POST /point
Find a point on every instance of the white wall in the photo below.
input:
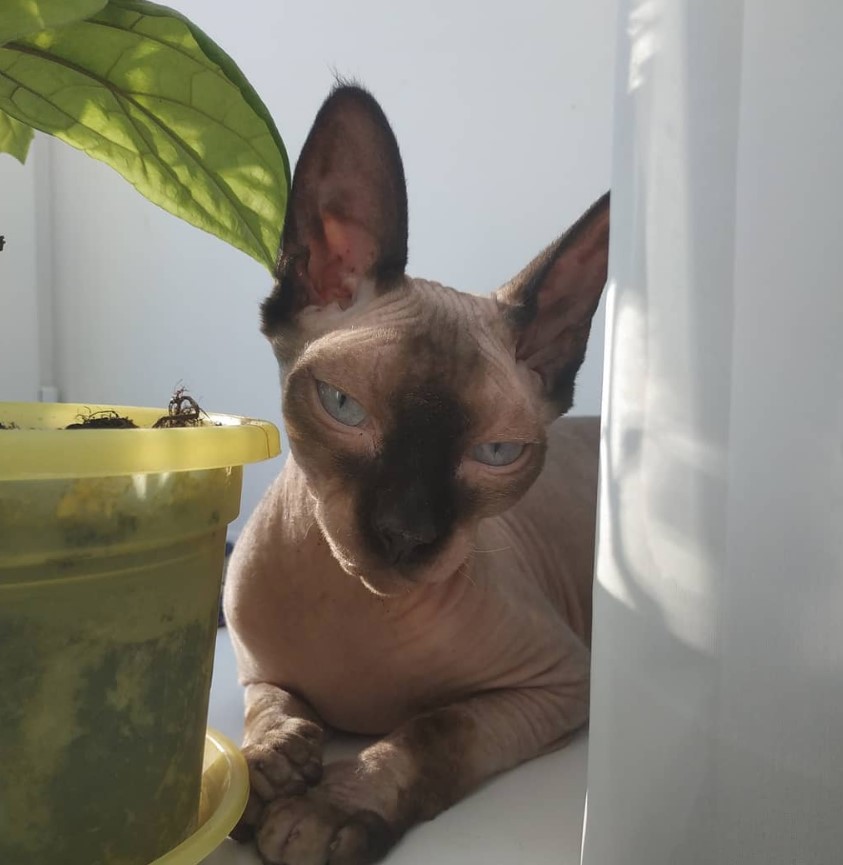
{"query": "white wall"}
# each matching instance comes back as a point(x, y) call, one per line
point(503, 113)
point(19, 362)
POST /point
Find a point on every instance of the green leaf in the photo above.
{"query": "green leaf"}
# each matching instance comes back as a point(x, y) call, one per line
point(24, 17)
point(15, 137)
point(143, 90)
point(214, 53)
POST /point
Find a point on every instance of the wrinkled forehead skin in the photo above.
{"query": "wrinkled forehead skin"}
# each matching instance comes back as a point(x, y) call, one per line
point(422, 343)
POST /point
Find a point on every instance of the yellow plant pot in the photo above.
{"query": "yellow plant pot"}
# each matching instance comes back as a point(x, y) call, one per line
point(111, 555)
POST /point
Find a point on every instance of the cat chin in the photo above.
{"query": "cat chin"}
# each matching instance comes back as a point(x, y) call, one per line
point(383, 582)
point(391, 586)
point(391, 583)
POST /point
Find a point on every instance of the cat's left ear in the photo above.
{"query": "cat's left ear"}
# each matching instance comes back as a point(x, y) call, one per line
point(550, 304)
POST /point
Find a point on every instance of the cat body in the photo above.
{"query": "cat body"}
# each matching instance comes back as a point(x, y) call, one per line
point(421, 569)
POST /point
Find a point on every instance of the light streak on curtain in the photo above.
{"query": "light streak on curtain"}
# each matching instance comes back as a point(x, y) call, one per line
point(717, 709)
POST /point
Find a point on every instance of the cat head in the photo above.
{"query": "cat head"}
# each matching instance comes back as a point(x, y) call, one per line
point(414, 410)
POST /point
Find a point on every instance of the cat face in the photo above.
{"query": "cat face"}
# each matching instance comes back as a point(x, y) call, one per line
point(414, 410)
point(412, 420)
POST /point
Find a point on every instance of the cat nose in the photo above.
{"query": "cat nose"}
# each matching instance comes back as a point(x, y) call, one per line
point(403, 543)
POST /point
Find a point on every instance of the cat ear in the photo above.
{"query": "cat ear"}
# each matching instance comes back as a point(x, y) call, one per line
point(550, 304)
point(347, 217)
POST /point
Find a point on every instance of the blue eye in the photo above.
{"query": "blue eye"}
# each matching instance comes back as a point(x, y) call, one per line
point(340, 406)
point(498, 453)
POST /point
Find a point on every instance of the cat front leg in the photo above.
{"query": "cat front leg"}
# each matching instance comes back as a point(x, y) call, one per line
point(363, 806)
point(282, 743)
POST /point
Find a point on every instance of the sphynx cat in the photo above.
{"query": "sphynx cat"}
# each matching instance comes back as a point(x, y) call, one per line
point(421, 571)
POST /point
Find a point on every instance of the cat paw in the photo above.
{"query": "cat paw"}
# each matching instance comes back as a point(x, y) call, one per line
point(286, 762)
point(309, 830)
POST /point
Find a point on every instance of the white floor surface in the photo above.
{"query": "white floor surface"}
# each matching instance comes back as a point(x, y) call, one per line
point(530, 816)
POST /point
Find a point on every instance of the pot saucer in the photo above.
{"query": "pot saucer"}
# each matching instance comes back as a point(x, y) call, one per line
point(225, 790)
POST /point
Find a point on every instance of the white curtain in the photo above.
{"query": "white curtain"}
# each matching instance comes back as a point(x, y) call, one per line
point(717, 709)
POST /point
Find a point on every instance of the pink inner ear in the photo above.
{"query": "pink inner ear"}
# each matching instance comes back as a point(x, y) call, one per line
point(338, 261)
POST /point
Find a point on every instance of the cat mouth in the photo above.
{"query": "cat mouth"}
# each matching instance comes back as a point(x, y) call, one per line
point(391, 581)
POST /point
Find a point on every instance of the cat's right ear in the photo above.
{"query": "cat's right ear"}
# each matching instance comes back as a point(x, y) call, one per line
point(347, 217)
